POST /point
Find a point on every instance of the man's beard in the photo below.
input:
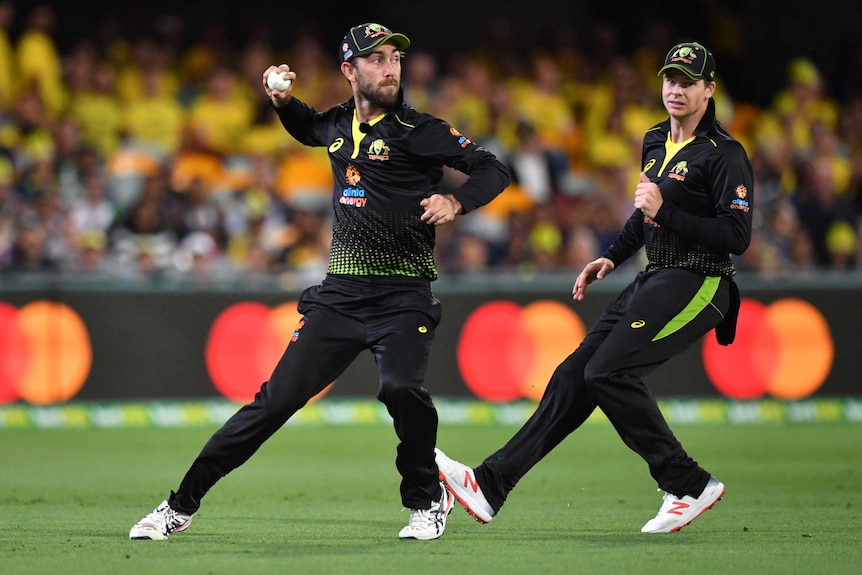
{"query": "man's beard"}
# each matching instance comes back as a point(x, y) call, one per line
point(377, 97)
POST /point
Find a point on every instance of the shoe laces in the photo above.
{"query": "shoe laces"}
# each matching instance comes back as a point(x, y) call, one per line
point(672, 502)
point(165, 515)
point(419, 517)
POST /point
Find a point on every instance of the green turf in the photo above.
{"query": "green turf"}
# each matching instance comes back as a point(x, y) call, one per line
point(325, 500)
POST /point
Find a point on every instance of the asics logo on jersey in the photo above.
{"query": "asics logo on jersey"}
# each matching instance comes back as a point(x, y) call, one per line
point(649, 165)
point(638, 324)
point(336, 145)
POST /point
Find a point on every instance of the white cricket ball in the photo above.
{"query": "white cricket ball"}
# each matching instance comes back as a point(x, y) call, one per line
point(277, 81)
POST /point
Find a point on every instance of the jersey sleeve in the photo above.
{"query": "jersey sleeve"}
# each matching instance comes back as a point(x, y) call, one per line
point(732, 187)
point(304, 123)
point(629, 240)
point(437, 140)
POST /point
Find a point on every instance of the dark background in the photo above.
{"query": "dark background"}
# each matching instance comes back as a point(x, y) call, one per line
point(752, 39)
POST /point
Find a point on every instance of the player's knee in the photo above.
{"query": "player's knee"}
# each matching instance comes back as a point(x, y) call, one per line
point(595, 375)
point(274, 401)
point(394, 392)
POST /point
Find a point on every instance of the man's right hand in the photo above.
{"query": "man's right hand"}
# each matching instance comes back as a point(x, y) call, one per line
point(595, 270)
point(279, 98)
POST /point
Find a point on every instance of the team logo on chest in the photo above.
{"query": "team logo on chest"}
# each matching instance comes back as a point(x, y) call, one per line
point(353, 195)
point(378, 150)
point(679, 171)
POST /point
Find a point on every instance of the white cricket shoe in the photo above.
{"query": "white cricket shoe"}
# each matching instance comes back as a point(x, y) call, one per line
point(677, 512)
point(430, 523)
point(160, 523)
point(461, 481)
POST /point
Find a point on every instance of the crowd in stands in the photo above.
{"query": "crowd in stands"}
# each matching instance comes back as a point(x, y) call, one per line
point(152, 157)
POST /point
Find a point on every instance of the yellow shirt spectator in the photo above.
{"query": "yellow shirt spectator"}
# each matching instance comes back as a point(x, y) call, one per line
point(541, 101)
point(219, 118)
point(145, 64)
point(39, 64)
point(802, 102)
point(154, 119)
point(7, 56)
point(98, 112)
point(468, 113)
point(29, 135)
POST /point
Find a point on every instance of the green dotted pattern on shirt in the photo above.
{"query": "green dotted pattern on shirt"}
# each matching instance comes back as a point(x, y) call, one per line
point(392, 243)
point(668, 250)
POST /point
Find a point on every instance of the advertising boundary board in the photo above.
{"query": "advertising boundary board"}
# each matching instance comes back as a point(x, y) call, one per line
point(150, 345)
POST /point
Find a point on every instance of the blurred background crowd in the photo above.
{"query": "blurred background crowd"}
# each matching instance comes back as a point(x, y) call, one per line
point(148, 150)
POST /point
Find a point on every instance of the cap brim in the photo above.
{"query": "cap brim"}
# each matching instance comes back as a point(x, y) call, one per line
point(401, 42)
point(682, 69)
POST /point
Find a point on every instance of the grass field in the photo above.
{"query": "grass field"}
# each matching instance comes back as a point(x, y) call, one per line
point(325, 500)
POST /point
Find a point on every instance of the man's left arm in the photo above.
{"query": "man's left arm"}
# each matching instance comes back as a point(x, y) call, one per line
point(487, 176)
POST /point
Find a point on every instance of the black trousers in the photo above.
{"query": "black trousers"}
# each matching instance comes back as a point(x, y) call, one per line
point(395, 318)
point(657, 316)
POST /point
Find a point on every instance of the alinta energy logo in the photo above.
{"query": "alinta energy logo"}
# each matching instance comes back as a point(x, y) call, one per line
point(45, 353)
point(785, 349)
point(245, 343)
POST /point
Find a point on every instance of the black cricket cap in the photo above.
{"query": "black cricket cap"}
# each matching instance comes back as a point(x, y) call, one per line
point(691, 58)
point(365, 38)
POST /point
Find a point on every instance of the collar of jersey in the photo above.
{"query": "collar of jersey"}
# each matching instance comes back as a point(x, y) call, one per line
point(358, 134)
point(671, 148)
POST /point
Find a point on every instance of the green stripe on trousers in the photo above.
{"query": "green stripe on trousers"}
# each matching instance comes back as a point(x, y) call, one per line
point(701, 299)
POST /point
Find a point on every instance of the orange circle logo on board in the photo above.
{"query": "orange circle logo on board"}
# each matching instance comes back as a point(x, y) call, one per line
point(784, 349)
point(508, 352)
point(45, 353)
point(244, 345)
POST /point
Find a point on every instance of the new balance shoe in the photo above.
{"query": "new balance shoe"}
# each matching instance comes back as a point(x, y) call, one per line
point(430, 523)
point(677, 512)
point(160, 523)
point(461, 481)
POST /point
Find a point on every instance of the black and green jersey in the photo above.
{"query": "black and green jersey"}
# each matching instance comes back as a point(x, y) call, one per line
point(707, 185)
point(381, 171)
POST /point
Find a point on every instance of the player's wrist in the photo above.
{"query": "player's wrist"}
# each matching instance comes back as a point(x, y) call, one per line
point(457, 208)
